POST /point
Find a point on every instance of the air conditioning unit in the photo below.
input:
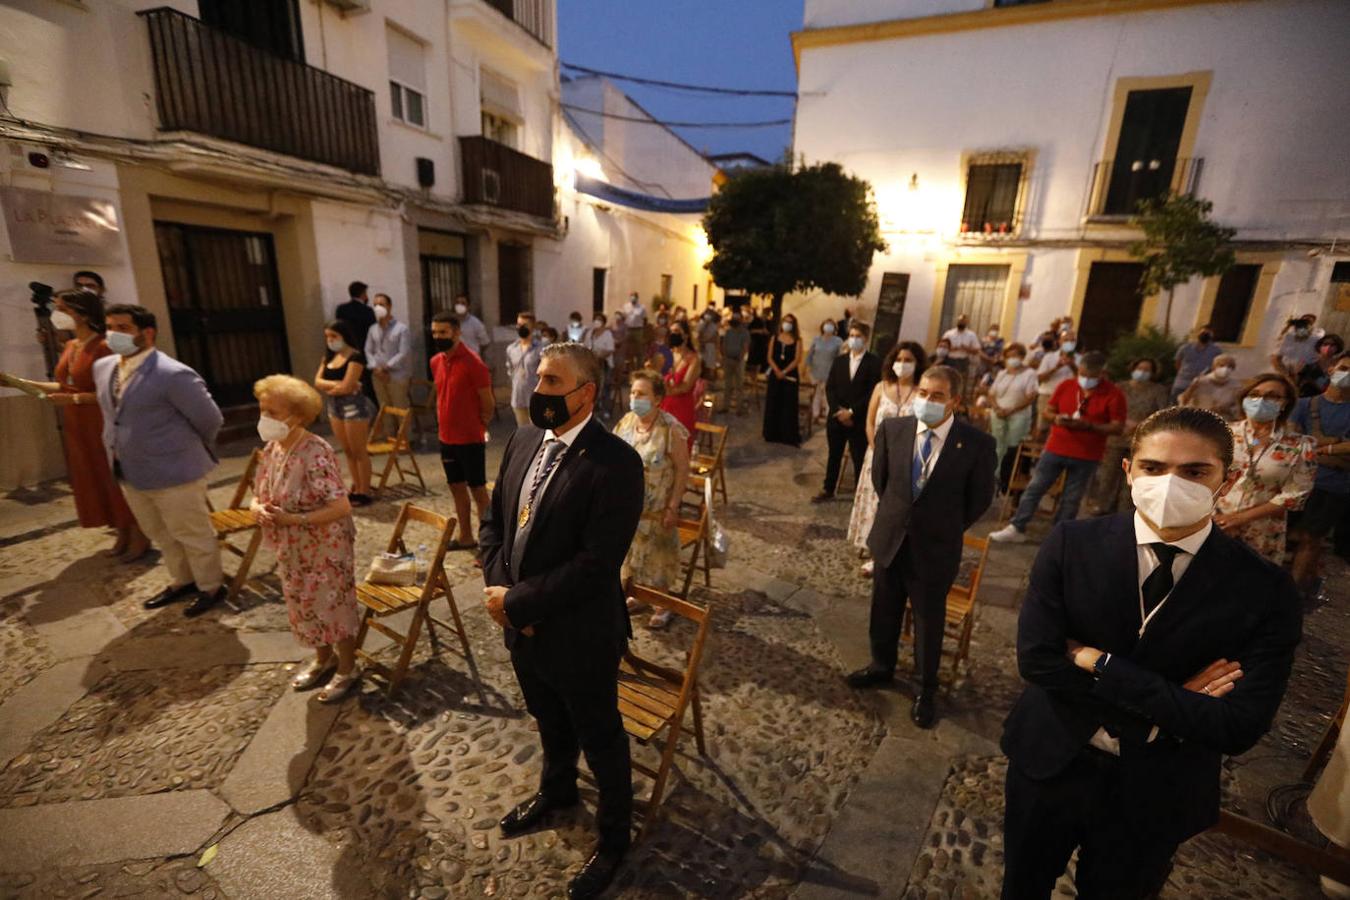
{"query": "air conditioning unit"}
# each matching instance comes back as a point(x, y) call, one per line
point(492, 186)
point(351, 6)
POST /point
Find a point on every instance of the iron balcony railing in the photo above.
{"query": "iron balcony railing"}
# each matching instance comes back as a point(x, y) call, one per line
point(532, 15)
point(210, 82)
point(1116, 190)
point(496, 175)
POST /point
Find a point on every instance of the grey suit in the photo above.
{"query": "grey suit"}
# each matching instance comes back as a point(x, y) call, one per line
point(160, 439)
point(916, 541)
point(163, 433)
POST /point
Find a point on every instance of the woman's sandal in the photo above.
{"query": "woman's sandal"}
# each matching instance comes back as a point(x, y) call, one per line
point(634, 605)
point(660, 619)
point(340, 686)
point(312, 673)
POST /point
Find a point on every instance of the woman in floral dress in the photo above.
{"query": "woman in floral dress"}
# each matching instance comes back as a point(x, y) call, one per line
point(1274, 466)
point(306, 520)
point(663, 443)
point(893, 396)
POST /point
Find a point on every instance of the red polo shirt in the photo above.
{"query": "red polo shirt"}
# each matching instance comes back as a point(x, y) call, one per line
point(1103, 404)
point(459, 375)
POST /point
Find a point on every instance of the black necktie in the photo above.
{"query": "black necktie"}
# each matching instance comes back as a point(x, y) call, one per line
point(1159, 582)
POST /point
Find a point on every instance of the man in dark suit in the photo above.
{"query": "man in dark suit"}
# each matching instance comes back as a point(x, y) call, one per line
point(934, 477)
point(358, 313)
point(564, 510)
point(848, 391)
point(1136, 690)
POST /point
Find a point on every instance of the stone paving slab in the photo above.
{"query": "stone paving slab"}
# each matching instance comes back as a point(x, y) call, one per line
point(82, 633)
point(201, 651)
point(277, 761)
point(43, 701)
point(98, 831)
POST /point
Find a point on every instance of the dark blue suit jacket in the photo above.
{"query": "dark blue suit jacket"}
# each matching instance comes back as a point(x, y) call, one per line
point(1230, 604)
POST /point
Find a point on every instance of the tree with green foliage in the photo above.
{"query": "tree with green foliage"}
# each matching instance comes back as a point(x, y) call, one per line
point(781, 229)
point(1179, 243)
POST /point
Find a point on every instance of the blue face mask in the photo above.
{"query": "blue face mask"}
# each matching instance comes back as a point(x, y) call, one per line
point(640, 406)
point(1261, 409)
point(1141, 375)
point(929, 412)
point(1088, 383)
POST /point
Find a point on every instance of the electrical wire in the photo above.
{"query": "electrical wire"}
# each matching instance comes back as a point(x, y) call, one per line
point(700, 88)
point(644, 120)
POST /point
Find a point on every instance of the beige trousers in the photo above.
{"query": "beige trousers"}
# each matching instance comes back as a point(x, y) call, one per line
point(391, 392)
point(178, 522)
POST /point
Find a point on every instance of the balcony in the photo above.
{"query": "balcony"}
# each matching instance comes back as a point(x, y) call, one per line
point(1115, 192)
point(496, 175)
point(532, 15)
point(209, 82)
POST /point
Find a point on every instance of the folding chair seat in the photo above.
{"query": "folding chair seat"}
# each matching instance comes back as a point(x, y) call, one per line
point(396, 449)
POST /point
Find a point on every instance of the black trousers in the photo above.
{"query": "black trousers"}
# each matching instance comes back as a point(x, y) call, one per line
point(838, 437)
point(580, 715)
point(1083, 807)
point(894, 585)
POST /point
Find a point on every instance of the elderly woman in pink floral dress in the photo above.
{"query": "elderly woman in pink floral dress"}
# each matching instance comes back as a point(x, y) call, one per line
point(1274, 468)
point(306, 520)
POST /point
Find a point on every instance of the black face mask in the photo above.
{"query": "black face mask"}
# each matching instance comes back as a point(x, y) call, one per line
point(1206, 337)
point(550, 410)
point(676, 340)
point(1047, 344)
point(523, 330)
point(443, 345)
point(960, 326)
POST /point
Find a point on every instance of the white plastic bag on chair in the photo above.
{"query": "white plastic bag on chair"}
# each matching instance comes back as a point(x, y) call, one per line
point(719, 542)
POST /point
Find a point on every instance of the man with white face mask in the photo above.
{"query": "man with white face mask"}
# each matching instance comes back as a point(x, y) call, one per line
point(934, 478)
point(472, 332)
point(159, 427)
point(1152, 644)
point(389, 358)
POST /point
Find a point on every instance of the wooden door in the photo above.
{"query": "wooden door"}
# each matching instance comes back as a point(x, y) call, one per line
point(1111, 304)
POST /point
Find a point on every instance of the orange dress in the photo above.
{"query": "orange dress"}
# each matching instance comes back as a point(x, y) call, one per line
point(98, 499)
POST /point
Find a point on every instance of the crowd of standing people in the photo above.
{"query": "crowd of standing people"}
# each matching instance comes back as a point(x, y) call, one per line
point(1209, 469)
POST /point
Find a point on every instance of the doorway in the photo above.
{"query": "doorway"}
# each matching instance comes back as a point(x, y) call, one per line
point(1111, 304)
point(513, 280)
point(224, 306)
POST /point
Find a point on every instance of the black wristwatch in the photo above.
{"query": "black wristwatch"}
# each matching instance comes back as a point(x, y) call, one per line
point(1099, 666)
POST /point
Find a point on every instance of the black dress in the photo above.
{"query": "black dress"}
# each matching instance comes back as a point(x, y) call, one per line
point(781, 424)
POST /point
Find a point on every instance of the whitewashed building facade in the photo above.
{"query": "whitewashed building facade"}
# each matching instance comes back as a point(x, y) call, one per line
point(1007, 141)
point(234, 164)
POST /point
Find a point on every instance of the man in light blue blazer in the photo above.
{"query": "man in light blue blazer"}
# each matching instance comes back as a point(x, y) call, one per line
point(159, 426)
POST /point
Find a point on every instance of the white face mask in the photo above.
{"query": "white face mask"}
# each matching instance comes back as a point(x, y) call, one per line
point(902, 369)
point(336, 345)
point(1014, 363)
point(460, 309)
point(829, 328)
point(1222, 372)
point(381, 311)
point(856, 344)
point(929, 412)
point(62, 321)
point(1341, 378)
point(122, 344)
point(270, 429)
point(1068, 346)
point(1170, 501)
point(787, 327)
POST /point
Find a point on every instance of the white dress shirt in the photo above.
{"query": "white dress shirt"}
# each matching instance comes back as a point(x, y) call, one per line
point(568, 440)
point(387, 344)
point(965, 343)
point(940, 434)
point(854, 360)
point(1148, 561)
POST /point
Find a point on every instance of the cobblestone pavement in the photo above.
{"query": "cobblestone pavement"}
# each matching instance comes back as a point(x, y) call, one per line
point(131, 741)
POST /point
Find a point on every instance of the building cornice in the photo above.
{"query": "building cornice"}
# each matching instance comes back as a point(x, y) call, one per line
point(992, 17)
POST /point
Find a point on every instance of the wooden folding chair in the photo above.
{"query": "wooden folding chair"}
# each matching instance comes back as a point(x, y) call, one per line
point(694, 537)
point(393, 448)
point(707, 406)
point(235, 519)
point(379, 601)
point(960, 618)
point(1020, 477)
point(708, 459)
point(653, 697)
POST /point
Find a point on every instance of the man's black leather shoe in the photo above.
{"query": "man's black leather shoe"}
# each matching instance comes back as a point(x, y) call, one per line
point(205, 601)
point(868, 677)
point(171, 595)
point(924, 711)
point(596, 875)
point(530, 814)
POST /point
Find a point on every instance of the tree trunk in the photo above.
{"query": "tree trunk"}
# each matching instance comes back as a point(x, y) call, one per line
point(777, 307)
point(1167, 314)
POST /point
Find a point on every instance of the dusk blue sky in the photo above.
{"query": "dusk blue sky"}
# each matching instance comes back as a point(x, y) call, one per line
point(727, 43)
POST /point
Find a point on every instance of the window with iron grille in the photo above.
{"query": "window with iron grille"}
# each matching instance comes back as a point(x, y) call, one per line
point(992, 190)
